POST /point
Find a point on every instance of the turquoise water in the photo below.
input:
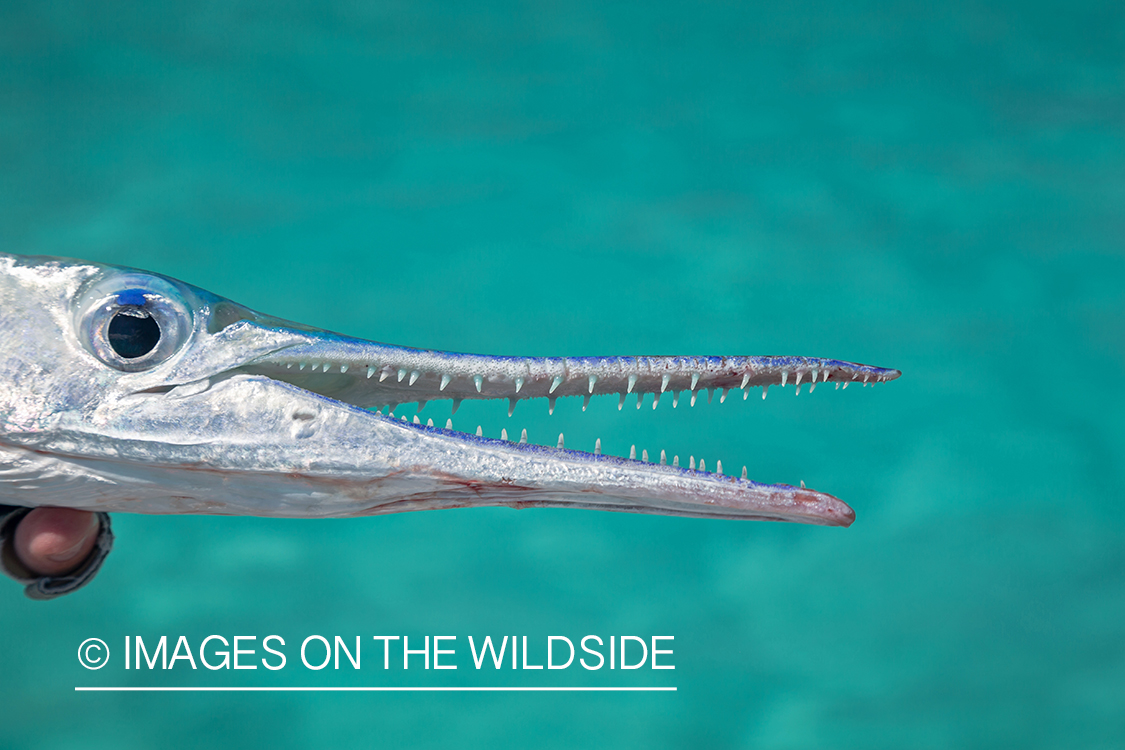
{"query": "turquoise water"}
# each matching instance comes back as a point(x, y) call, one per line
point(937, 188)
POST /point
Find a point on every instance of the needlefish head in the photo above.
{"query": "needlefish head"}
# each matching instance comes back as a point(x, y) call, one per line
point(122, 390)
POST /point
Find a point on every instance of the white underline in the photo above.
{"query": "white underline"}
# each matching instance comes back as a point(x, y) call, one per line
point(376, 689)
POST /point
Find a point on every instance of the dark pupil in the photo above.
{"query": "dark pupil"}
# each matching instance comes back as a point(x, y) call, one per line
point(133, 333)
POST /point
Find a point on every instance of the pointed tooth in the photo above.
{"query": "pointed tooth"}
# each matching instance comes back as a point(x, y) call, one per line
point(802, 484)
point(691, 463)
point(456, 406)
point(416, 420)
point(812, 386)
point(765, 390)
point(302, 366)
point(865, 377)
point(675, 399)
point(798, 380)
point(503, 433)
point(511, 406)
point(694, 380)
point(718, 467)
point(585, 401)
point(663, 457)
point(632, 382)
point(403, 417)
point(837, 385)
point(824, 376)
point(845, 384)
point(325, 366)
point(644, 456)
point(445, 381)
point(710, 394)
point(449, 424)
point(723, 397)
point(664, 383)
point(523, 436)
point(593, 379)
point(655, 400)
point(633, 452)
point(289, 366)
point(478, 381)
point(598, 447)
point(693, 398)
point(422, 404)
point(676, 461)
point(343, 369)
point(551, 405)
point(621, 402)
point(561, 444)
point(640, 399)
point(555, 383)
point(519, 384)
point(480, 432)
point(784, 377)
point(429, 423)
point(744, 472)
point(815, 372)
point(384, 374)
point(702, 465)
point(798, 389)
point(745, 380)
point(401, 374)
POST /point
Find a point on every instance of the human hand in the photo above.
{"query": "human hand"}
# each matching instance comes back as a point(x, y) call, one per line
point(54, 541)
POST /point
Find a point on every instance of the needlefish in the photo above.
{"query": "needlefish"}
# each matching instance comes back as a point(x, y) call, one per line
point(128, 391)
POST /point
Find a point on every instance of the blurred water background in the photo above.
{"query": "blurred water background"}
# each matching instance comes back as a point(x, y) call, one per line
point(934, 187)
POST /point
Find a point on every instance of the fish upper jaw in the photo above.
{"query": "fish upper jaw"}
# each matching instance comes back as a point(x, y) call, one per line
point(371, 374)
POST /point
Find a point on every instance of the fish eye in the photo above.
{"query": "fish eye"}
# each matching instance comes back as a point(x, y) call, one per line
point(133, 322)
point(132, 332)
